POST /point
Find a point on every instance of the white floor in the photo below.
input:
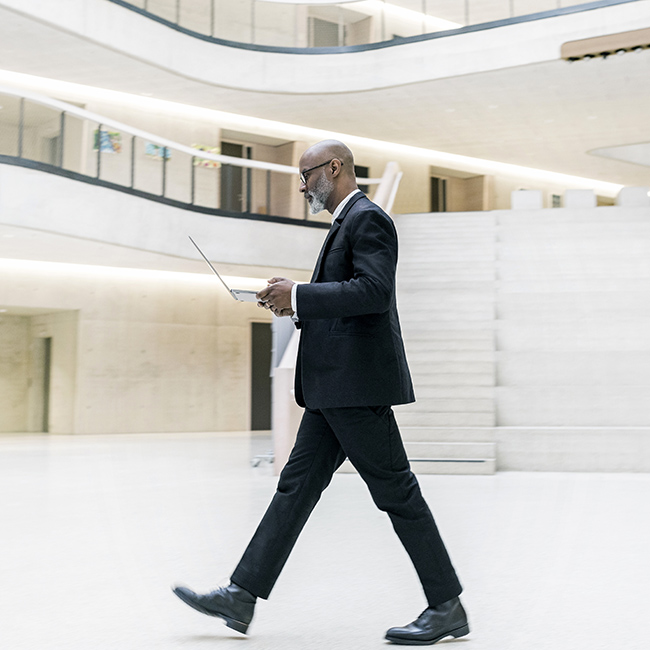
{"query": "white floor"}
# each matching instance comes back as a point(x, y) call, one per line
point(94, 531)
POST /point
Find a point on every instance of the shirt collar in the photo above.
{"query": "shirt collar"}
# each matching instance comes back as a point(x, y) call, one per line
point(342, 204)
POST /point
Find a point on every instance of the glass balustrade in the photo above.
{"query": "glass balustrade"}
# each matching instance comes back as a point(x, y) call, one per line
point(55, 140)
point(304, 24)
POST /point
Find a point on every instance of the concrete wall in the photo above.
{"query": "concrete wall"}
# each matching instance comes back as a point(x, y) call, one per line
point(14, 372)
point(54, 204)
point(132, 351)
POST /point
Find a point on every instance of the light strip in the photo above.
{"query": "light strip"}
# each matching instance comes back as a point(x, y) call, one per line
point(290, 132)
point(40, 266)
point(377, 7)
point(431, 22)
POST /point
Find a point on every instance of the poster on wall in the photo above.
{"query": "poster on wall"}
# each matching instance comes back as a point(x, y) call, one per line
point(204, 162)
point(157, 151)
point(107, 141)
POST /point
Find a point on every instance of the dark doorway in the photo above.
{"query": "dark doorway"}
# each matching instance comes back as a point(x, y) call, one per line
point(438, 194)
point(47, 371)
point(261, 376)
point(235, 191)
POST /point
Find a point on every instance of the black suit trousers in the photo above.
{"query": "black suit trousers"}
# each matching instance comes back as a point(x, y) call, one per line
point(370, 438)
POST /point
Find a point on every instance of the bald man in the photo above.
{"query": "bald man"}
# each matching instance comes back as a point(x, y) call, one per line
point(351, 369)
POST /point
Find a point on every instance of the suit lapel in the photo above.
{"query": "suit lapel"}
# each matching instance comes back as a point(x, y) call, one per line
point(332, 231)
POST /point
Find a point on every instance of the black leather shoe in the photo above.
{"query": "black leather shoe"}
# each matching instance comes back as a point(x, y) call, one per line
point(433, 625)
point(233, 604)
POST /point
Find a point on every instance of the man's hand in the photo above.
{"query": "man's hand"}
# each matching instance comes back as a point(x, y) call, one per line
point(277, 296)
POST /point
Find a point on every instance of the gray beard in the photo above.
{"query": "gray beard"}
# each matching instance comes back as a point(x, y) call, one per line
point(320, 194)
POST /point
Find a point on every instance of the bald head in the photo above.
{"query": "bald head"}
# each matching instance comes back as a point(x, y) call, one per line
point(331, 177)
point(332, 149)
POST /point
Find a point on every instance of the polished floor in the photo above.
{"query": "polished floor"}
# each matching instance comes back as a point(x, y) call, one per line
point(95, 529)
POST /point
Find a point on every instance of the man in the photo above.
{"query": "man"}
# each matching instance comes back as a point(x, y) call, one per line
point(351, 369)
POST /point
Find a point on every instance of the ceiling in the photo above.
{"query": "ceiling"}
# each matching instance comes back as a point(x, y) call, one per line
point(548, 116)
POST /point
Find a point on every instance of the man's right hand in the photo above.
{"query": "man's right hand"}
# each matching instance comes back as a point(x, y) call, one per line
point(276, 312)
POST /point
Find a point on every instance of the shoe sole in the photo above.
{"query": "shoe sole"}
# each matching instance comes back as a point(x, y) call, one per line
point(232, 623)
point(457, 633)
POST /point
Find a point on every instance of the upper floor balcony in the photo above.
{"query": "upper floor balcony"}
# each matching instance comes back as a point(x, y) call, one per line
point(350, 24)
point(302, 47)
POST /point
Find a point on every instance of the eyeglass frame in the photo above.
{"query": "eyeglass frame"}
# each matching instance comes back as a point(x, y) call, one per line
point(303, 178)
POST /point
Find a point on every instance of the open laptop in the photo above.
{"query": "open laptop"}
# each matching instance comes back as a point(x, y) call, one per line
point(243, 295)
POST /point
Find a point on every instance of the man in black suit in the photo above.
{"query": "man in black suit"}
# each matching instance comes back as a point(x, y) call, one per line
point(351, 369)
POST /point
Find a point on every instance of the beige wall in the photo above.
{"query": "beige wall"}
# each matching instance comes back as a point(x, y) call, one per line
point(131, 351)
point(14, 372)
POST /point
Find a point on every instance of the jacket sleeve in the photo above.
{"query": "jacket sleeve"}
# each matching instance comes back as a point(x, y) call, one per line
point(371, 245)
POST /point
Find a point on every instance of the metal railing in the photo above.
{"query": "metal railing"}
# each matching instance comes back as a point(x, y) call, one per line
point(54, 136)
point(304, 24)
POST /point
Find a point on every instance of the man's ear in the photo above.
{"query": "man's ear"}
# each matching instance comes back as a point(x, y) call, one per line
point(335, 166)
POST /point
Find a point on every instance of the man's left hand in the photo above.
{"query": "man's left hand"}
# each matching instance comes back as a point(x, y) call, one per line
point(277, 296)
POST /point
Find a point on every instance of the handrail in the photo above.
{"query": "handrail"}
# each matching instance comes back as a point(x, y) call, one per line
point(385, 42)
point(186, 184)
point(82, 113)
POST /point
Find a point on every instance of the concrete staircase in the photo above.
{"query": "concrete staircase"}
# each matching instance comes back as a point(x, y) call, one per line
point(446, 291)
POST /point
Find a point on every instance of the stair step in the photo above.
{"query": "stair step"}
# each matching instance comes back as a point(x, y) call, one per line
point(424, 329)
point(419, 346)
point(450, 450)
point(453, 392)
point(423, 379)
point(446, 316)
point(448, 434)
point(440, 466)
point(455, 405)
point(458, 466)
point(413, 418)
point(429, 356)
point(446, 458)
point(451, 367)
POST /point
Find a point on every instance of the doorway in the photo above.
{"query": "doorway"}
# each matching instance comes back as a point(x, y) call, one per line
point(438, 194)
point(235, 190)
point(47, 374)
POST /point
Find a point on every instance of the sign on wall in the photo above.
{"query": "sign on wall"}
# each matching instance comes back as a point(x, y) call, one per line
point(204, 162)
point(157, 151)
point(107, 141)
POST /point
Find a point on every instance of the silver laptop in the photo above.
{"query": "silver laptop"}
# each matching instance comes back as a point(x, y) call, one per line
point(243, 295)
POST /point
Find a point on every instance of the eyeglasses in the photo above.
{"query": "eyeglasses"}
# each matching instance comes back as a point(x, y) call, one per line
point(303, 175)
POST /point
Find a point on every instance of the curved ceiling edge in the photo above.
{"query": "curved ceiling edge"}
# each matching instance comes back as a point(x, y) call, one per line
point(396, 41)
point(418, 60)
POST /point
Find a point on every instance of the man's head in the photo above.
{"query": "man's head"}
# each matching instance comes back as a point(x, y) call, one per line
point(326, 175)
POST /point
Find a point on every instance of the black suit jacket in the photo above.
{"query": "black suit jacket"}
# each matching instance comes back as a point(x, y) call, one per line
point(351, 351)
